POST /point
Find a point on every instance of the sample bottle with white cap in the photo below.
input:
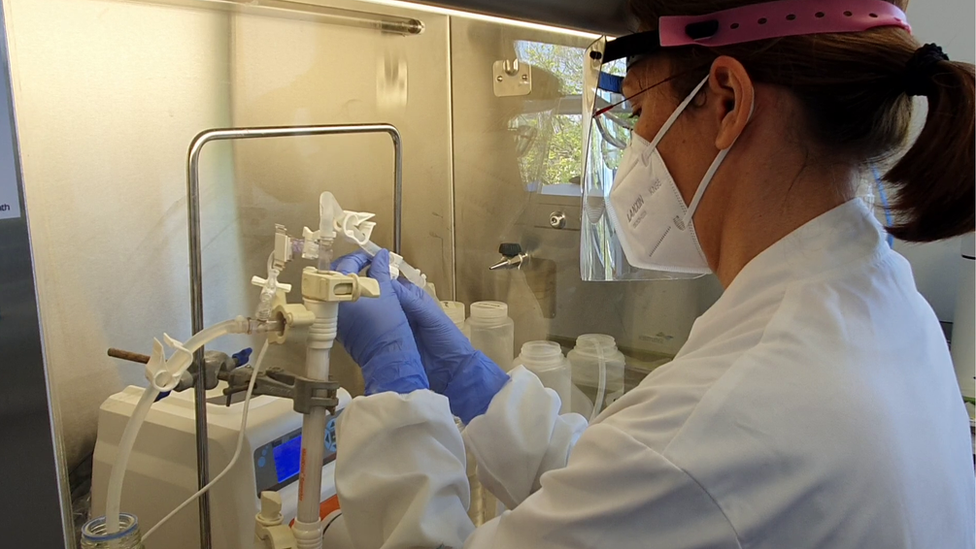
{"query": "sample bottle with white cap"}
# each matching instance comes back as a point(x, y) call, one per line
point(598, 370)
point(483, 503)
point(455, 310)
point(545, 359)
point(492, 332)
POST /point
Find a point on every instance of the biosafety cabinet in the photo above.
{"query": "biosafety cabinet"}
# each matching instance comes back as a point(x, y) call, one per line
point(107, 96)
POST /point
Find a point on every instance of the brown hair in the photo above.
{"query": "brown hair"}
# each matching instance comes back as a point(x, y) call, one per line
point(853, 89)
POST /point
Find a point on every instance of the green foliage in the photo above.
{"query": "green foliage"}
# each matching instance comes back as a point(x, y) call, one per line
point(552, 143)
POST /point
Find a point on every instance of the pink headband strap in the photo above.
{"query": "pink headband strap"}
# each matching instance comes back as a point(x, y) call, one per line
point(778, 19)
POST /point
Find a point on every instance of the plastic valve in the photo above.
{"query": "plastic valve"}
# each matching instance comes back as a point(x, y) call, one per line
point(261, 282)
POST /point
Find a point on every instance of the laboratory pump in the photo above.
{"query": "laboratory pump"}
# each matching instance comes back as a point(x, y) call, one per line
point(312, 394)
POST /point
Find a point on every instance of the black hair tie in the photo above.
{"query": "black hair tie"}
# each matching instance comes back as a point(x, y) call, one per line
point(921, 68)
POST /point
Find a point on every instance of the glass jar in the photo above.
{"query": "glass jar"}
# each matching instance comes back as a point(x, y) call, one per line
point(94, 534)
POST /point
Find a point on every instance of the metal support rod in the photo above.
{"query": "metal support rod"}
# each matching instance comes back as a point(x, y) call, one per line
point(196, 256)
point(128, 355)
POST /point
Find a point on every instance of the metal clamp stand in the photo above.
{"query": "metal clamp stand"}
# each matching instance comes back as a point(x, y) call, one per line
point(305, 393)
point(196, 256)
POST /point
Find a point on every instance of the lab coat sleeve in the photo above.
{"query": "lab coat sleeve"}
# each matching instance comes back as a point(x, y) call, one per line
point(401, 483)
point(614, 492)
point(400, 472)
point(520, 437)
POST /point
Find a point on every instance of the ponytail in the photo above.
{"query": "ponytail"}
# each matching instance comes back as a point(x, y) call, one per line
point(935, 179)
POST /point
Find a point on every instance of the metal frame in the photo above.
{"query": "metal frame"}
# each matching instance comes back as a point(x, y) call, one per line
point(35, 465)
point(196, 254)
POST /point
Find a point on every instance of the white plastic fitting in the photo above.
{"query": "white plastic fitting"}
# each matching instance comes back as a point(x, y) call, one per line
point(307, 535)
point(331, 286)
point(260, 282)
point(310, 243)
point(282, 247)
point(164, 374)
point(269, 532)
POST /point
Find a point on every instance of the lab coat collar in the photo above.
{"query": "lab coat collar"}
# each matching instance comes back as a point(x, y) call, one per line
point(836, 238)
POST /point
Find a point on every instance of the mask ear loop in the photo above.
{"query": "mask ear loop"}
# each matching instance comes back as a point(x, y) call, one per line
point(677, 112)
point(710, 173)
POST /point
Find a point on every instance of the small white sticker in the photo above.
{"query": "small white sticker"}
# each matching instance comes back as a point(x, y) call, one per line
point(9, 197)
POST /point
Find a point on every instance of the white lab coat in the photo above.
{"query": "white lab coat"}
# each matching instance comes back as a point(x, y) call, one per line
point(814, 405)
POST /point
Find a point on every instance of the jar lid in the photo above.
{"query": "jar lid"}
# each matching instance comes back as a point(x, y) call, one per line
point(489, 310)
point(454, 310)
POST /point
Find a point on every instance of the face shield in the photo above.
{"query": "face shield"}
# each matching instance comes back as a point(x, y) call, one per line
point(608, 124)
point(607, 119)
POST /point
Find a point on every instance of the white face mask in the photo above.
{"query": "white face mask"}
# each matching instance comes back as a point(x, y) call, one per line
point(652, 222)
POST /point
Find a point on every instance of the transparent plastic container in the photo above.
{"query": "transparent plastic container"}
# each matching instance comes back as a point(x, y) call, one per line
point(455, 310)
point(545, 359)
point(492, 332)
point(94, 534)
point(585, 360)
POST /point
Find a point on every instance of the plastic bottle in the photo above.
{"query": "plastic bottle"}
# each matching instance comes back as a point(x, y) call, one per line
point(545, 359)
point(492, 332)
point(94, 535)
point(481, 499)
point(455, 310)
point(596, 362)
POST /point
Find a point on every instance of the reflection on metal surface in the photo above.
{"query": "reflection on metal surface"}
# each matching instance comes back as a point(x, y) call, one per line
point(557, 220)
point(514, 191)
point(606, 16)
point(306, 11)
point(391, 81)
point(510, 78)
point(196, 256)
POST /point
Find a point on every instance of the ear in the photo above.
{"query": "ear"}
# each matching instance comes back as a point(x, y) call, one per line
point(730, 84)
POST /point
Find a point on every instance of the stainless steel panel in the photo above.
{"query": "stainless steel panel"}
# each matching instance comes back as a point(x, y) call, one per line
point(109, 96)
point(344, 75)
point(606, 16)
point(516, 163)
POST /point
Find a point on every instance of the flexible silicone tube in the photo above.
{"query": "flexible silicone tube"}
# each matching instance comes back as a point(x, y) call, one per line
point(114, 498)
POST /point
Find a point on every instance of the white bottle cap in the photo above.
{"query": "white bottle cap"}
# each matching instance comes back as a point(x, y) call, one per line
point(454, 310)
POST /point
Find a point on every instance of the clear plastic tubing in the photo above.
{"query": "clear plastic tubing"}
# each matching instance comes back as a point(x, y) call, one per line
point(320, 339)
point(545, 359)
point(408, 271)
point(492, 332)
point(114, 497)
point(598, 369)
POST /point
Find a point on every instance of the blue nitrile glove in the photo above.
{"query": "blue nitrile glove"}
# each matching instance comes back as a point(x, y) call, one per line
point(467, 377)
point(376, 333)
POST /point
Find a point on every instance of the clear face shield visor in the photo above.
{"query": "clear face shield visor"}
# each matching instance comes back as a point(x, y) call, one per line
point(608, 123)
point(607, 119)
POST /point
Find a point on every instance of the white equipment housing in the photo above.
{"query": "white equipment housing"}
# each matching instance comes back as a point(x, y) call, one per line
point(162, 468)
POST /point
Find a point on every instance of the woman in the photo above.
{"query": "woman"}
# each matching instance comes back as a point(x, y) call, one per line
point(814, 405)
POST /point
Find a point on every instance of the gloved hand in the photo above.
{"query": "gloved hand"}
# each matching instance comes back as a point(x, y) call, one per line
point(376, 333)
point(467, 377)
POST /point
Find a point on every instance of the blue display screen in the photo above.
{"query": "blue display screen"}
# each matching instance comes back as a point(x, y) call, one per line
point(287, 457)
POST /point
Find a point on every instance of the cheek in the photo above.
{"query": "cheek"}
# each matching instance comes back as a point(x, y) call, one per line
point(654, 112)
point(687, 153)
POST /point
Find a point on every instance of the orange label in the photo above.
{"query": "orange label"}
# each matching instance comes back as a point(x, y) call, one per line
point(326, 508)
